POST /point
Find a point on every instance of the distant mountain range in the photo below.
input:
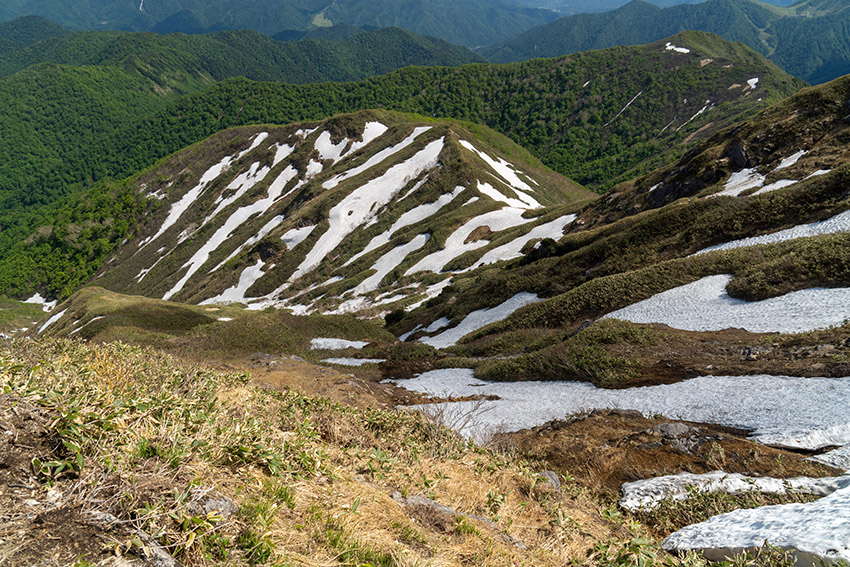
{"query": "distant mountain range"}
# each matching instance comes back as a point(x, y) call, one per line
point(809, 39)
point(463, 22)
point(570, 7)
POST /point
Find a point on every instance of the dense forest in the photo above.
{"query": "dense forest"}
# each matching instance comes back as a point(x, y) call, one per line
point(463, 22)
point(810, 40)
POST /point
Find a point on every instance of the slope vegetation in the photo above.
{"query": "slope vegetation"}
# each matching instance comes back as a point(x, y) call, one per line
point(765, 207)
point(808, 40)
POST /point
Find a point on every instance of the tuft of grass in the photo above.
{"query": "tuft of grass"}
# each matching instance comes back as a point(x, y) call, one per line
point(582, 356)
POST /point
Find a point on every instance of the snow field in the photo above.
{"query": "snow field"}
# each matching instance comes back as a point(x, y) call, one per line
point(456, 244)
point(362, 205)
point(769, 406)
point(496, 195)
point(704, 305)
point(479, 319)
point(649, 493)
point(832, 225)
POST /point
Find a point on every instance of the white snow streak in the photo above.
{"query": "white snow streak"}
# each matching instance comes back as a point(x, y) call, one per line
point(832, 225)
point(479, 319)
point(375, 159)
point(178, 208)
point(409, 218)
point(389, 262)
point(628, 104)
point(236, 294)
point(50, 321)
point(552, 229)
point(455, 244)
point(362, 205)
point(296, 236)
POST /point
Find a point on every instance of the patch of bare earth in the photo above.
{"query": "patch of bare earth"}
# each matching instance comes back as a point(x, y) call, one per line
point(604, 449)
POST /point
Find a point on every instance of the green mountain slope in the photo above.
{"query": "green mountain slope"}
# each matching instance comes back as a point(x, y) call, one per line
point(809, 40)
point(634, 102)
point(593, 116)
point(30, 29)
point(257, 213)
point(246, 53)
point(464, 22)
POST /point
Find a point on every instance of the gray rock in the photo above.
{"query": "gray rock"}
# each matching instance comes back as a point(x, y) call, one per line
point(674, 430)
point(209, 501)
point(552, 479)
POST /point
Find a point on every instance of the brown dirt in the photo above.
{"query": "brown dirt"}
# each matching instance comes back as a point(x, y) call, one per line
point(607, 448)
point(361, 390)
point(679, 355)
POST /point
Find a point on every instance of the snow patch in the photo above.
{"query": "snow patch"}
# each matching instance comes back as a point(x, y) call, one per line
point(46, 306)
point(479, 319)
point(389, 262)
point(650, 493)
point(236, 294)
point(430, 293)
point(790, 160)
point(440, 323)
point(354, 361)
point(456, 244)
point(815, 531)
point(296, 236)
point(753, 83)
point(375, 159)
point(704, 305)
point(671, 47)
point(832, 225)
point(553, 229)
point(323, 343)
point(524, 202)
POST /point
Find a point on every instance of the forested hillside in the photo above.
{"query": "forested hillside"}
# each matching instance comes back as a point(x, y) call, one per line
point(810, 39)
point(464, 22)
